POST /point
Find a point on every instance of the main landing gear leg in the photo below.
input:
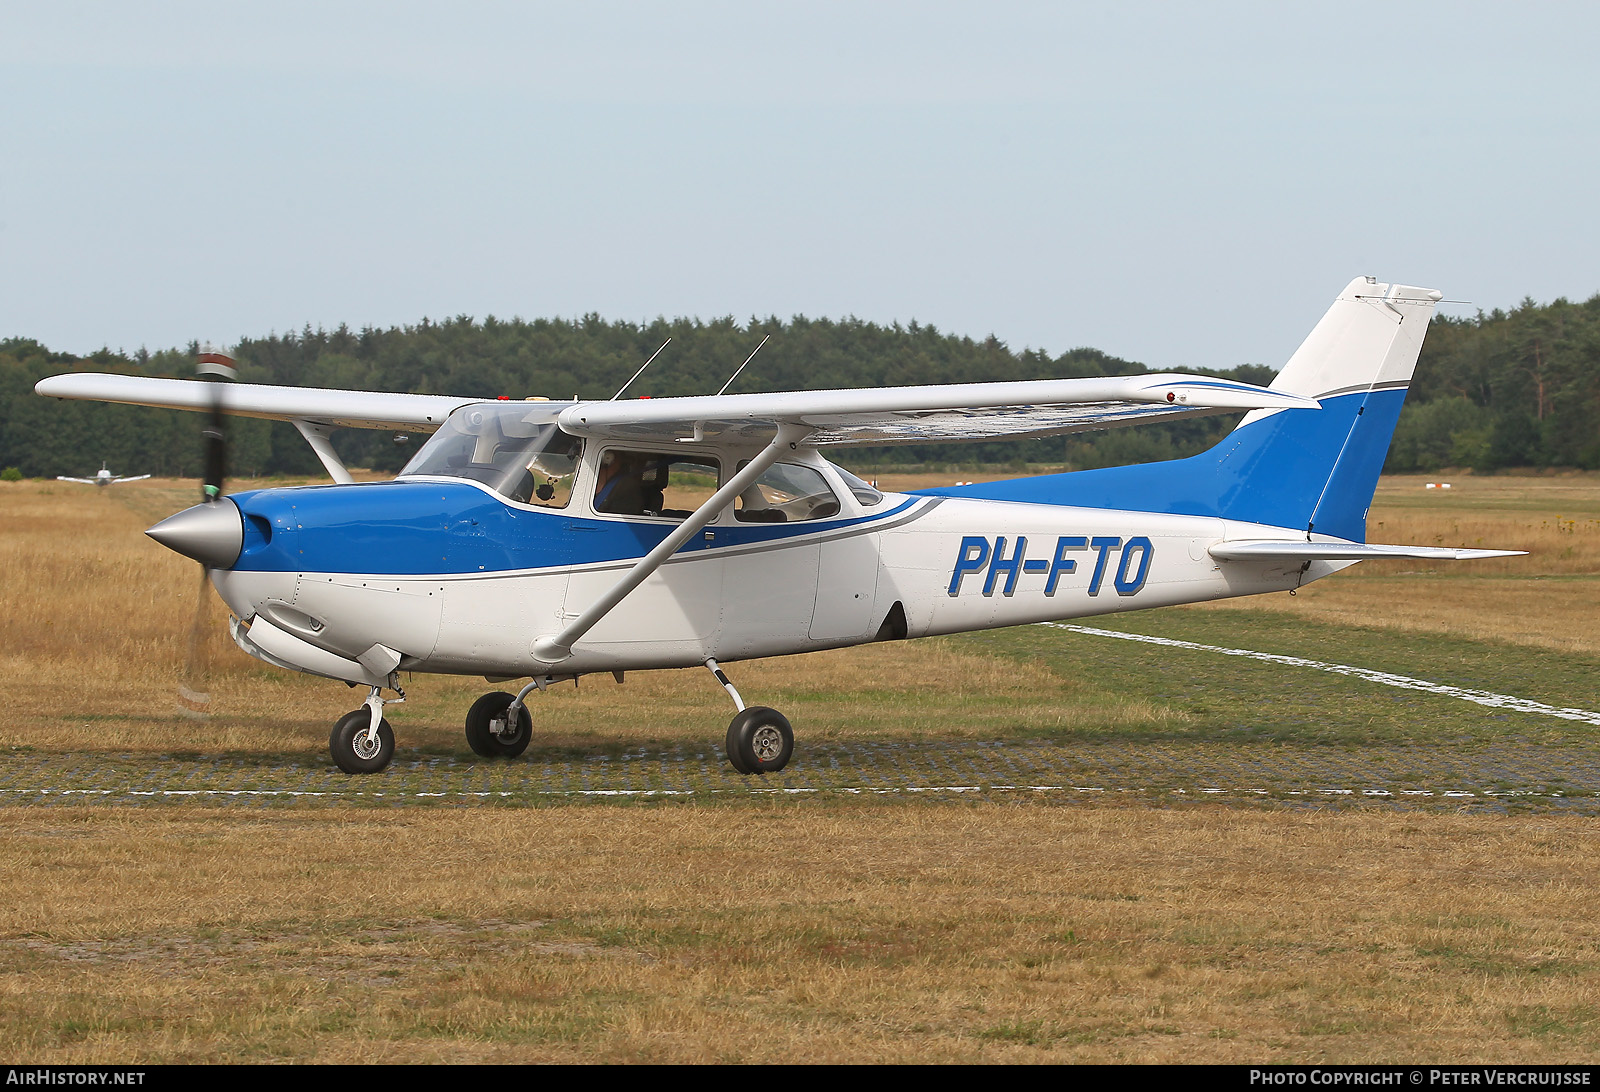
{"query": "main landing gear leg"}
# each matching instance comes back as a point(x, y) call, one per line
point(362, 741)
point(759, 739)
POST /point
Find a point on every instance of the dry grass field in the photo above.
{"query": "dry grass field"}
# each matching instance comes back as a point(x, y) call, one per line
point(857, 934)
point(773, 928)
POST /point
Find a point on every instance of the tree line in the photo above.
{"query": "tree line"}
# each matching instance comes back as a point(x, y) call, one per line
point(1518, 388)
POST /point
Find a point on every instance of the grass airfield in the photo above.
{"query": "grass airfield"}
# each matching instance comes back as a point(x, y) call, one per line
point(1028, 845)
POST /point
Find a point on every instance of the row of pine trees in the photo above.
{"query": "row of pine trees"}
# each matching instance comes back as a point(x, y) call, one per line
point(1504, 389)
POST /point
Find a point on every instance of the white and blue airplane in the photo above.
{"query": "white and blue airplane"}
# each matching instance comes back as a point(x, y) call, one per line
point(546, 540)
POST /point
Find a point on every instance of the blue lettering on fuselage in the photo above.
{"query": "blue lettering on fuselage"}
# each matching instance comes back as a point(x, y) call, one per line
point(976, 555)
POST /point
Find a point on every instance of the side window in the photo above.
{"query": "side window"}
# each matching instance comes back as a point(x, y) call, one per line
point(647, 483)
point(786, 493)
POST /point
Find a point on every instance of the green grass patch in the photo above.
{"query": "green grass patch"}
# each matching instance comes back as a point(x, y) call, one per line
point(1228, 697)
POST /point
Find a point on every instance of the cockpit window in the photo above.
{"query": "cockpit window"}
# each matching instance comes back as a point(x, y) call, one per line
point(513, 447)
point(648, 483)
point(865, 493)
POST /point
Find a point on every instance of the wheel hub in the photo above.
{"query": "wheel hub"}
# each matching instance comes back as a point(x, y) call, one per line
point(365, 745)
point(767, 743)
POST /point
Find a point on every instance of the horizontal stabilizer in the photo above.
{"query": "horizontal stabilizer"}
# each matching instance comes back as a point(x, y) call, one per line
point(1301, 550)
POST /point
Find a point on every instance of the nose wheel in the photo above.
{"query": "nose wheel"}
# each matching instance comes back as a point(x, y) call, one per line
point(357, 750)
point(362, 741)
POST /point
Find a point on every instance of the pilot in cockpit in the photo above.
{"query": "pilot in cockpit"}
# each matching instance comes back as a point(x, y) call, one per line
point(619, 489)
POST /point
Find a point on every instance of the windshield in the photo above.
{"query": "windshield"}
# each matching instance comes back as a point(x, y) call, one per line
point(513, 447)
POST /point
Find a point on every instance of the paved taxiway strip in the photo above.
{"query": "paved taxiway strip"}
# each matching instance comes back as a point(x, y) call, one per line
point(1404, 682)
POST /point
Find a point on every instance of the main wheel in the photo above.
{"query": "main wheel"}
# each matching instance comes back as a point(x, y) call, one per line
point(760, 741)
point(489, 732)
point(352, 751)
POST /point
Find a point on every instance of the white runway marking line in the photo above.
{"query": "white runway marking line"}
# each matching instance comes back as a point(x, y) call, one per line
point(869, 790)
point(1404, 682)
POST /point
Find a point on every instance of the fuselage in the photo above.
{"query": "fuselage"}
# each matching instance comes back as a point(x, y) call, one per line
point(456, 577)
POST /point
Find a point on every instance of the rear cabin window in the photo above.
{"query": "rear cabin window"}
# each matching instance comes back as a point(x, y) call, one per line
point(786, 493)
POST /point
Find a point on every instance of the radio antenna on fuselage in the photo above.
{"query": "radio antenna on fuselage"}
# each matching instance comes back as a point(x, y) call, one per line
point(740, 368)
point(640, 372)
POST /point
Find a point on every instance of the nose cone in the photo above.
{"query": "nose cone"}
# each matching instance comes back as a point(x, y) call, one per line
point(211, 533)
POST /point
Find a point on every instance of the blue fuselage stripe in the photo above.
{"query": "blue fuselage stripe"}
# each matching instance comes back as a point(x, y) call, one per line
point(417, 528)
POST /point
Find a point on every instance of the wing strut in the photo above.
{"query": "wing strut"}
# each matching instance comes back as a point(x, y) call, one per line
point(557, 647)
point(317, 436)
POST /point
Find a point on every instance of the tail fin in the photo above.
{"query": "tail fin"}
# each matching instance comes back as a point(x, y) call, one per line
point(1312, 470)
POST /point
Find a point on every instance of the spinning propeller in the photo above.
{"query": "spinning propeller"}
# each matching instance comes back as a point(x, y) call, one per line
point(217, 370)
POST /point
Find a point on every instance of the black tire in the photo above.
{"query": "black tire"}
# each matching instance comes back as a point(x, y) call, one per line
point(730, 747)
point(347, 743)
point(481, 724)
point(760, 741)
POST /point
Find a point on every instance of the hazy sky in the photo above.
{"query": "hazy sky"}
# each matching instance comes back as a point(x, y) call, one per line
point(1176, 184)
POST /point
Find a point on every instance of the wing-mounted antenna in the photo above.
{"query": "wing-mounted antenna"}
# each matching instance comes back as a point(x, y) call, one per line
point(640, 372)
point(700, 426)
point(740, 368)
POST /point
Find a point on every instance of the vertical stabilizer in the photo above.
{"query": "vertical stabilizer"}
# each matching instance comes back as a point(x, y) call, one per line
point(1311, 470)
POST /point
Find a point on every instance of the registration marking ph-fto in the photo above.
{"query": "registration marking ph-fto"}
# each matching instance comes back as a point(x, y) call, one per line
point(979, 555)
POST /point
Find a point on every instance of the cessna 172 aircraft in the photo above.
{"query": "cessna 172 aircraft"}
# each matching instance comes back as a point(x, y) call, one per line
point(548, 540)
point(102, 479)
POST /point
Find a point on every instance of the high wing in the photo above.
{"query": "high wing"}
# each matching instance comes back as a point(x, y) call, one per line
point(957, 411)
point(881, 415)
point(1300, 550)
point(135, 478)
point(313, 405)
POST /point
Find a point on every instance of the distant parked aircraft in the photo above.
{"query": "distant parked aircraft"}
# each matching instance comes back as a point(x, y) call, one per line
point(102, 479)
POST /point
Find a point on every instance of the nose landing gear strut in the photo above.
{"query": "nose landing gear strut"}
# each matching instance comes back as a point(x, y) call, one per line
point(362, 741)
